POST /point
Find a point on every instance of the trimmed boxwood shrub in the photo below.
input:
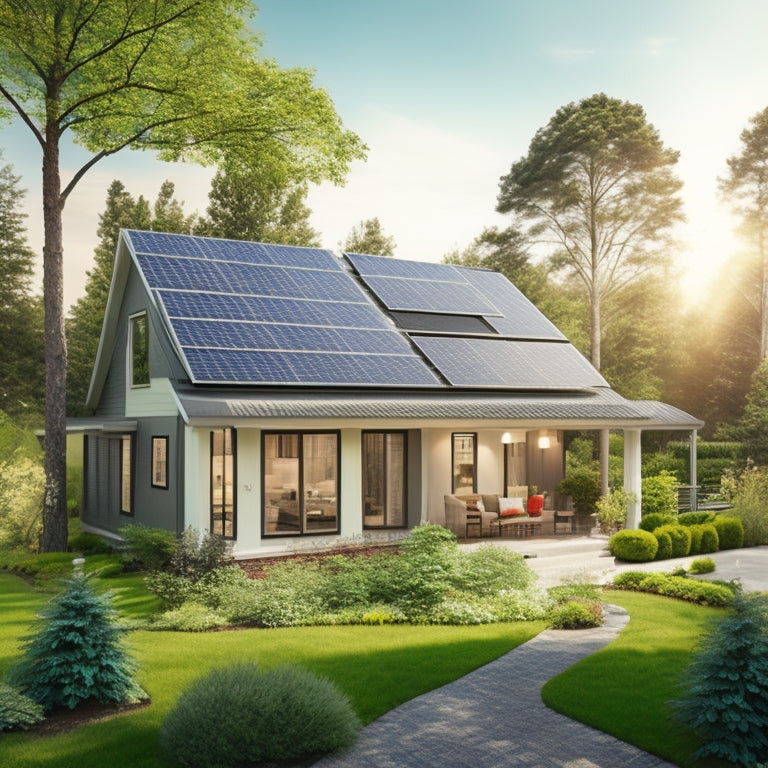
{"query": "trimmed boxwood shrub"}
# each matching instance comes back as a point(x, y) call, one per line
point(655, 520)
point(576, 614)
point(238, 715)
point(730, 532)
point(695, 518)
point(681, 539)
point(679, 587)
point(634, 546)
point(702, 565)
point(710, 541)
point(664, 551)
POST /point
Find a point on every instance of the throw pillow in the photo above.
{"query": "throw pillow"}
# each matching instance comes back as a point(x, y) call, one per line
point(511, 507)
point(535, 505)
point(475, 505)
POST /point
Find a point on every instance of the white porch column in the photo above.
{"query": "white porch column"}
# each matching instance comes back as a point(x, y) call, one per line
point(632, 476)
point(694, 474)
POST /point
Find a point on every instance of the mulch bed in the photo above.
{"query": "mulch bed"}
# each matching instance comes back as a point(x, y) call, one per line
point(62, 719)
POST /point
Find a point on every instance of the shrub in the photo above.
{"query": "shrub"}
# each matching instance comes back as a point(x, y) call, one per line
point(680, 587)
point(190, 617)
point(664, 551)
point(582, 484)
point(17, 711)
point(576, 614)
point(149, 549)
point(612, 510)
point(238, 715)
point(197, 553)
point(489, 569)
point(748, 492)
point(710, 541)
point(695, 518)
point(702, 565)
point(172, 590)
point(726, 698)
point(659, 494)
point(695, 533)
point(730, 532)
point(633, 546)
point(654, 520)
point(681, 539)
point(88, 544)
point(77, 653)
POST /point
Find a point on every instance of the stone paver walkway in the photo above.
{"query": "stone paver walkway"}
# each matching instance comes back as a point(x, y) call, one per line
point(494, 717)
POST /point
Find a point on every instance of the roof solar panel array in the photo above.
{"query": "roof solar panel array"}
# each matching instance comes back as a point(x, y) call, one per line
point(256, 314)
point(250, 313)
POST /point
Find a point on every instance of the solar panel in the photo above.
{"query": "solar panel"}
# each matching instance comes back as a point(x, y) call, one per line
point(308, 368)
point(388, 267)
point(185, 304)
point(507, 363)
point(516, 315)
point(224, 334)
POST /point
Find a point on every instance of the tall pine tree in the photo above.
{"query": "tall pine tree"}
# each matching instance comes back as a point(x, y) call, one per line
point(21, 319)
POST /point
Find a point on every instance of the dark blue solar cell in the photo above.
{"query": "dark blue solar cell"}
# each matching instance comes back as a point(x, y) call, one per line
point(185, 273)
point(268, 309)
point(388, 267)
point(244, 335)
point(520, 318)
point(264, 253)
point(429, 296)
point(161, 242)
point(227, 366)
point(506, 363)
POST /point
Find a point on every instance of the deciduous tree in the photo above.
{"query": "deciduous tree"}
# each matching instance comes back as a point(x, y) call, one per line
point(368, 237)
point(183, 79)
point(597, 189)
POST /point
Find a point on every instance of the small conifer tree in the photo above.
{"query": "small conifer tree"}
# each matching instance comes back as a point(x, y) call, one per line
point(727, 688)
point(77, 653)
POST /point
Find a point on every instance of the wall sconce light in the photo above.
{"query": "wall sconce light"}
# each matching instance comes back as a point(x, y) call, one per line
point(544, 443)
point(506, 438)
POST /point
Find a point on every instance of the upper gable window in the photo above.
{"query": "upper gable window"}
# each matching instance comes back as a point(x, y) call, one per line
point(138, 345)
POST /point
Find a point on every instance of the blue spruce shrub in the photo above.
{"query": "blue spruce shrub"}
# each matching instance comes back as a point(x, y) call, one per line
point(726, 698)
point(77, 653)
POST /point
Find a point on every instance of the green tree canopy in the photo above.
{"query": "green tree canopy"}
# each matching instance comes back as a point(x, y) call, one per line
point(752, 428)
point(597, 190)
point(368, 237)
point(262, 204)
point(183, 79)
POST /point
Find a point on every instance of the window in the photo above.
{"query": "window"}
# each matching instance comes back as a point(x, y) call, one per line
point(464, 457)
point(223, 483)
point(384, 479)
point(300, 482)
point(126, 475)
point(139, 347)
point(160, 462)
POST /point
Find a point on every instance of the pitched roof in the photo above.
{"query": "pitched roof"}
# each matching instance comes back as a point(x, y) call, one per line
point(251, 314)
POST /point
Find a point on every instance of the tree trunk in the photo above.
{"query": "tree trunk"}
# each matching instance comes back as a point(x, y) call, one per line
point(55, 500)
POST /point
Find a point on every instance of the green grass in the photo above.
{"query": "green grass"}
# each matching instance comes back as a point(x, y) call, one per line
point(624, 689)
point(378, 668)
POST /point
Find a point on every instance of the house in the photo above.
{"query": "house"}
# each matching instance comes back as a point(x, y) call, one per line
point(284, 396)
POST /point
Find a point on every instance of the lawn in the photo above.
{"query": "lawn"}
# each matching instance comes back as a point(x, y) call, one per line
point(378, 668)
point(624, 689)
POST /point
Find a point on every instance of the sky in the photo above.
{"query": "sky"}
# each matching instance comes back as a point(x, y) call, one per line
point(447, 94)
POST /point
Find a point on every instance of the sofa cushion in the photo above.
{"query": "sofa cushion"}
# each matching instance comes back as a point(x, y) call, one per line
point(475, 505)
point(511, 507)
